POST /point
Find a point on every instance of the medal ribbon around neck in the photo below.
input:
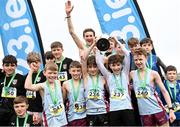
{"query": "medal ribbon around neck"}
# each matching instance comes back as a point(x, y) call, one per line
point(53, 94)
point(143, 83)
point(37, 75)
point(95, 84)
point(12, 78)
point(75, 91)
point(118, 84)
point(171, 94)
point(25, 121)
point(149, 65)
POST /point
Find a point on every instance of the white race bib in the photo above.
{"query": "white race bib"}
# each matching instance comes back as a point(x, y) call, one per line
point(9, 92)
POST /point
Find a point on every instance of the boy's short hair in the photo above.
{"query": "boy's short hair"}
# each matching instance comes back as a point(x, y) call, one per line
point(88, 30)
point(9, 59)
point(56, 44)
point(133, 41)
point(33, 57)
point(49, 55)
point(91, 60)
point(113, 40)
point(115, 59)
point(140, 51)
point(146, 40)
point(170, 68)
point(20, 99)
point(51, 66)
point(75, 64)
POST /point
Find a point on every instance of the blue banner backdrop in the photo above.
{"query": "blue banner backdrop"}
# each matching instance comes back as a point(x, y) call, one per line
point(19, 32)
point(120, 18)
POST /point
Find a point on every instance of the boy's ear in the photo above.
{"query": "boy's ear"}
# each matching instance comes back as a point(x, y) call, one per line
point(44, 73)
point(110, 65)
point(69, 70)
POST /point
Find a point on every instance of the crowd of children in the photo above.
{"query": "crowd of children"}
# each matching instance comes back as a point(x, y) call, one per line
point(117, 88)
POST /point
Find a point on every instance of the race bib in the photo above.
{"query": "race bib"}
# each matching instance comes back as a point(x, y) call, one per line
point(80, 107)
point(9, 92)
point(56, 110)
point(142, 93)
point(118, 94)
point(62, 76)
point(30, 94)
point(94, 94)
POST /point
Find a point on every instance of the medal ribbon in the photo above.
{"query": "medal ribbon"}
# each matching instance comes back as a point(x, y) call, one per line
point(118, 83)
point(25, 121)
point(12, 78)
point(53, 94)
point(37, 75)
point(169, 89)
point(95, 85)
point(149, 65)
point(143, 81)
point(75, 91)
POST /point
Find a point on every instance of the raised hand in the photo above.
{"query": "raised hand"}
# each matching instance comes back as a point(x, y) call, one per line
point(33, 66)
point(68, 7)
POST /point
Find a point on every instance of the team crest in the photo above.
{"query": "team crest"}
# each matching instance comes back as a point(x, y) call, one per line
point(64, 66)
point(14, 81)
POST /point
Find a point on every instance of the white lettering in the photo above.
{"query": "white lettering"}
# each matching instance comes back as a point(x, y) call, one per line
point(16, 8)
point(115, 4)
point(18, 44)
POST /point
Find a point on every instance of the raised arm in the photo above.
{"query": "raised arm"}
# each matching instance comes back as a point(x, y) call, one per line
point(28, 82)
point(83, 57)
point(69, 8)
point(100, 64)
point(165, 93)
point(126, 53)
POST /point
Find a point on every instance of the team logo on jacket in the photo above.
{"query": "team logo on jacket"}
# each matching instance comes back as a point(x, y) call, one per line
point(14, 81)
point(64, 66)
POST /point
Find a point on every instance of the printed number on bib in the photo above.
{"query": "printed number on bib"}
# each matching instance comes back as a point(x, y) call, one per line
point(80, 107)
point(94, 94)
point(118, 94)
point(10, 92)
point(142, 93)
point(56, 110)
point(30, 94)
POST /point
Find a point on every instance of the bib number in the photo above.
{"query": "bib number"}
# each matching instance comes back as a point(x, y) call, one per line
point(56, 110)
point(118, 94)
point(79, 107)
point(142, 93)
point(30, 94)
point(94, 94)
point(9, 92)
